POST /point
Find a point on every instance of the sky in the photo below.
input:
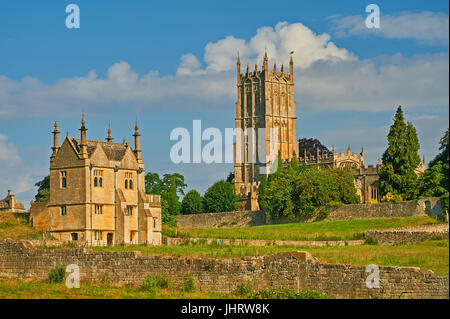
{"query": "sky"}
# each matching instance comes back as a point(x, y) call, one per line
point(168, 63)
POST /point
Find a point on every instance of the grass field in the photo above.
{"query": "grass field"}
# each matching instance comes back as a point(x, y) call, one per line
point(15, 226)
point(433, 255)
point(321, 230)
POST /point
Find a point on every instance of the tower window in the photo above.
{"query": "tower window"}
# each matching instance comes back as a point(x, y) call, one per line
point(126, 183)
point(95, 182)
point(98, 209)
point(63, 179)
point(63, 210)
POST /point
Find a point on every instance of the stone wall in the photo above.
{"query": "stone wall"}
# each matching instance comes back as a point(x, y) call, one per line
point(176, 241)
point(408, 235)
point(421, 207)
point(295, 270)
point(225, 219)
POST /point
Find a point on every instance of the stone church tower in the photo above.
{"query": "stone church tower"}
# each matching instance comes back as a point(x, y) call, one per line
point(265, 100)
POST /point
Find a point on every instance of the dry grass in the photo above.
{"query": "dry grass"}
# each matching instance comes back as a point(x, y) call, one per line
point(16, 226)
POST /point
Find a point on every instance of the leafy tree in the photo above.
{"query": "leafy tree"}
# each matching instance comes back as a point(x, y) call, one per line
point(153, 184)
point(435, 180)
point(397, 175)
point(192, 203)
point(300, 189)
point(220, 197)
point(43, 192)
point(172, 198)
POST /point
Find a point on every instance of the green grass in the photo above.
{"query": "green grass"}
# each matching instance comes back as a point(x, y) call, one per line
point(26, 289)
point(432, 255)
point(321, 230)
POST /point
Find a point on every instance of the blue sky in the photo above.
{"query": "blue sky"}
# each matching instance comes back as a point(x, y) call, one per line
point(171, 62)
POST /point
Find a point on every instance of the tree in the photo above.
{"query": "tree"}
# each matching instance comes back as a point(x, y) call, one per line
point(220, 197)
point(192, 203)
point(435, 180)
point(398, 179)
point(43, 192)
point(171, 196)
point(300, 189)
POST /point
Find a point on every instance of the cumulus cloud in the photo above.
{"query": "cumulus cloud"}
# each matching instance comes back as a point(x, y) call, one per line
point(279, 41)
point(426, 27)
point(327, 78)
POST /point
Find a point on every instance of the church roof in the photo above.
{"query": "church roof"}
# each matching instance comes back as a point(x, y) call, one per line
point(114, 151)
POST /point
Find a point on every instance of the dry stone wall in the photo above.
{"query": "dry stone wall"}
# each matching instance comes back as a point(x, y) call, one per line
point(408, 235)
point(295, 270)
point(421, 207)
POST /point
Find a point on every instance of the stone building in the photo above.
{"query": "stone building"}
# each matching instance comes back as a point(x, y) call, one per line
point(97, 194)
point(10, 204)
point(265, 100)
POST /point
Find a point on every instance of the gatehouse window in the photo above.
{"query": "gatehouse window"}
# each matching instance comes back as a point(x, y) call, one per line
point(128, 180)
point(63, 179)
point(98, 178)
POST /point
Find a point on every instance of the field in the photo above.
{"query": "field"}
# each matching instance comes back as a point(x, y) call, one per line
point(321, 230)
point(433, 255)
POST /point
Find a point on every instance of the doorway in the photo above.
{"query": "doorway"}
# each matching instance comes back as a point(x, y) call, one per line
point(109, 239)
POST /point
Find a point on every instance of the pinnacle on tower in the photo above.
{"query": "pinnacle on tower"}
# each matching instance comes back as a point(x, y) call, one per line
point(83, 144)
point(109, 139)
point(55, 147)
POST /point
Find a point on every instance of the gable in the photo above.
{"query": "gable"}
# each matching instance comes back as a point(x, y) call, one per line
point(129, 160)
point(98, 157)
point(66, 156)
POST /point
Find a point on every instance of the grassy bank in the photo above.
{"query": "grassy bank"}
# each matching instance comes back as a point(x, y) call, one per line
point(27, 289)
point(16, 226)
point(321, 230)
point(432, 255)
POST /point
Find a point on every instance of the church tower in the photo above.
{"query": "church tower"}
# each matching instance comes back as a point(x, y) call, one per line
point(265, 99)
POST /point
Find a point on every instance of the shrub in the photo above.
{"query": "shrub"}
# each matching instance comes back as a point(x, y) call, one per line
point(371, 241)
point(244, 289)
point(57, 274)
point(188, 284)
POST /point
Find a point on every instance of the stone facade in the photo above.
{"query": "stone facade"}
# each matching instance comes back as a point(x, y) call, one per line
point(97, 194)
point(265, 100)
point(11, 205)
point(294, 270)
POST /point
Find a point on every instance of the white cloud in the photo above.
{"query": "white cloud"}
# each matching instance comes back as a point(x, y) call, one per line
point(326, 77)
point(426, 27)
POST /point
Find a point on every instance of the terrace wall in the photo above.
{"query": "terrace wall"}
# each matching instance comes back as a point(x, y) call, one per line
point(295, 270)
point(422, 207)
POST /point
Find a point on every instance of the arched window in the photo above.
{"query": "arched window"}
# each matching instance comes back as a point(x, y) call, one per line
point(100, 181)
point(126, 183)
point(131, 184)
point(95, 182)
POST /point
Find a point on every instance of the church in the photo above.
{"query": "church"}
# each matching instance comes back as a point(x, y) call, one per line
point(265, 99)
point(97, 193)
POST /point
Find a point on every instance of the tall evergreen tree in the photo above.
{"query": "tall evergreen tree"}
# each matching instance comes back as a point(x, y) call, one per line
point(397, 174)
